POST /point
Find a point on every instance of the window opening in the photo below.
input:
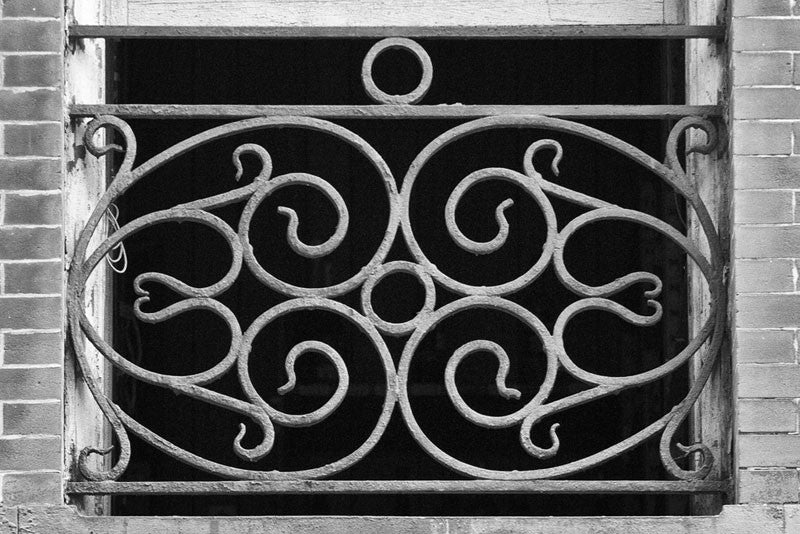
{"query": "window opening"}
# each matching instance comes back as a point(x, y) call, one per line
point(494, 334)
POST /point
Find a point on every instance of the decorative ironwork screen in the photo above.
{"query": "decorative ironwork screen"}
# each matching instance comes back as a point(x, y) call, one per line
point(529, 177)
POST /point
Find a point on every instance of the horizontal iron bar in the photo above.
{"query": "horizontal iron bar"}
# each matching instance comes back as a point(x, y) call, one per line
point(602, 31)
point(431, 487)
point(389, 111)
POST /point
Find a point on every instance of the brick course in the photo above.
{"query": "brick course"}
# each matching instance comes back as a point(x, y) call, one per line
point(766, 171)
point(754, 34)
point(764, 207)
point(777, 172)
point(32, 104)
point(30, 174)
point(769, 450)
point(27, 454)
point(755, 242)
point(32, 139)
point(32, 70)
point(31, 8)
point(31, 418)
point(30, 36)
point(22, 488)
point(765, 276)
point(32, 348)
point(764, 346)
point(37, 383)
point(769, 381)
point(768, 311)
point(769, 486)
point(762, 69)
point(762, 138)
point(30, 243)
point(33, 209)
point(33, 278)
point(767, 103)
point(31, 251)
point(757, 415)
point(761, 7)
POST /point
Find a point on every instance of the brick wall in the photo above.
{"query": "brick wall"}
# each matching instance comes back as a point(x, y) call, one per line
point(765, 40)
point(31, 249)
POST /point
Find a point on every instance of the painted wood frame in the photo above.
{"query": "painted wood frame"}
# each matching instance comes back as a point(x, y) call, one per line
point(402, 13)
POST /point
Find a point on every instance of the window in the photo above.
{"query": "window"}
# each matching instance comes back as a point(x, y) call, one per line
point(400, 290)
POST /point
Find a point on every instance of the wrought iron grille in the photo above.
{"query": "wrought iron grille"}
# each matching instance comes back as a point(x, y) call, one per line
point(529, 177)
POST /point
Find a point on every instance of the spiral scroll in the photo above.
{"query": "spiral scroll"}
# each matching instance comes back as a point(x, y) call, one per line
point(255, 409)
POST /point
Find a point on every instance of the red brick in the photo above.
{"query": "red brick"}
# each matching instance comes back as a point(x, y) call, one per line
point(768, 486)
point(768, 311)
point(32, 8)
point(32, 70)
point(30, 488)
point(766, 103)
point(30, 36)
point(762, 415)
point(769, 450)
point(759, 276)
point(796, 79)
point(33, 348)
point(756, 346)
point(31, 174)
point(33, 278)
point(26, 454)
point(769, 381)
point(761, 69)
point(777, 172)
point(33, 140)
point(33, 209)
point(765, 34)
point(34, 383)
point(32, 418)
point(767, 241)
point(762, 207)
point(18, 313)
point(30, 243)
point(796, 135)
point(743, 8)
point(36, 104)
point(753, 137)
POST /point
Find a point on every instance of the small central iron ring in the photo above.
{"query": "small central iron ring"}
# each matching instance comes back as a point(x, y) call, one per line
point(398, 329)
point(397, 43)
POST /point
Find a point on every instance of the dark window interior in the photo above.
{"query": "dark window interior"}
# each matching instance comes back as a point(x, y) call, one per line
point(469, 72)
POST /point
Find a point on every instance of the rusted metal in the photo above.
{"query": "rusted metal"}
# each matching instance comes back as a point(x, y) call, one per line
point(600, 31)
point(389, 111)
point(491, 295)
point(430, 487)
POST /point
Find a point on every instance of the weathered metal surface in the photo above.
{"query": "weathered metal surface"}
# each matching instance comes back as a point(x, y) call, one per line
point(357, 487)
point(587, 31)
point(388, 111)
point(492, 295)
